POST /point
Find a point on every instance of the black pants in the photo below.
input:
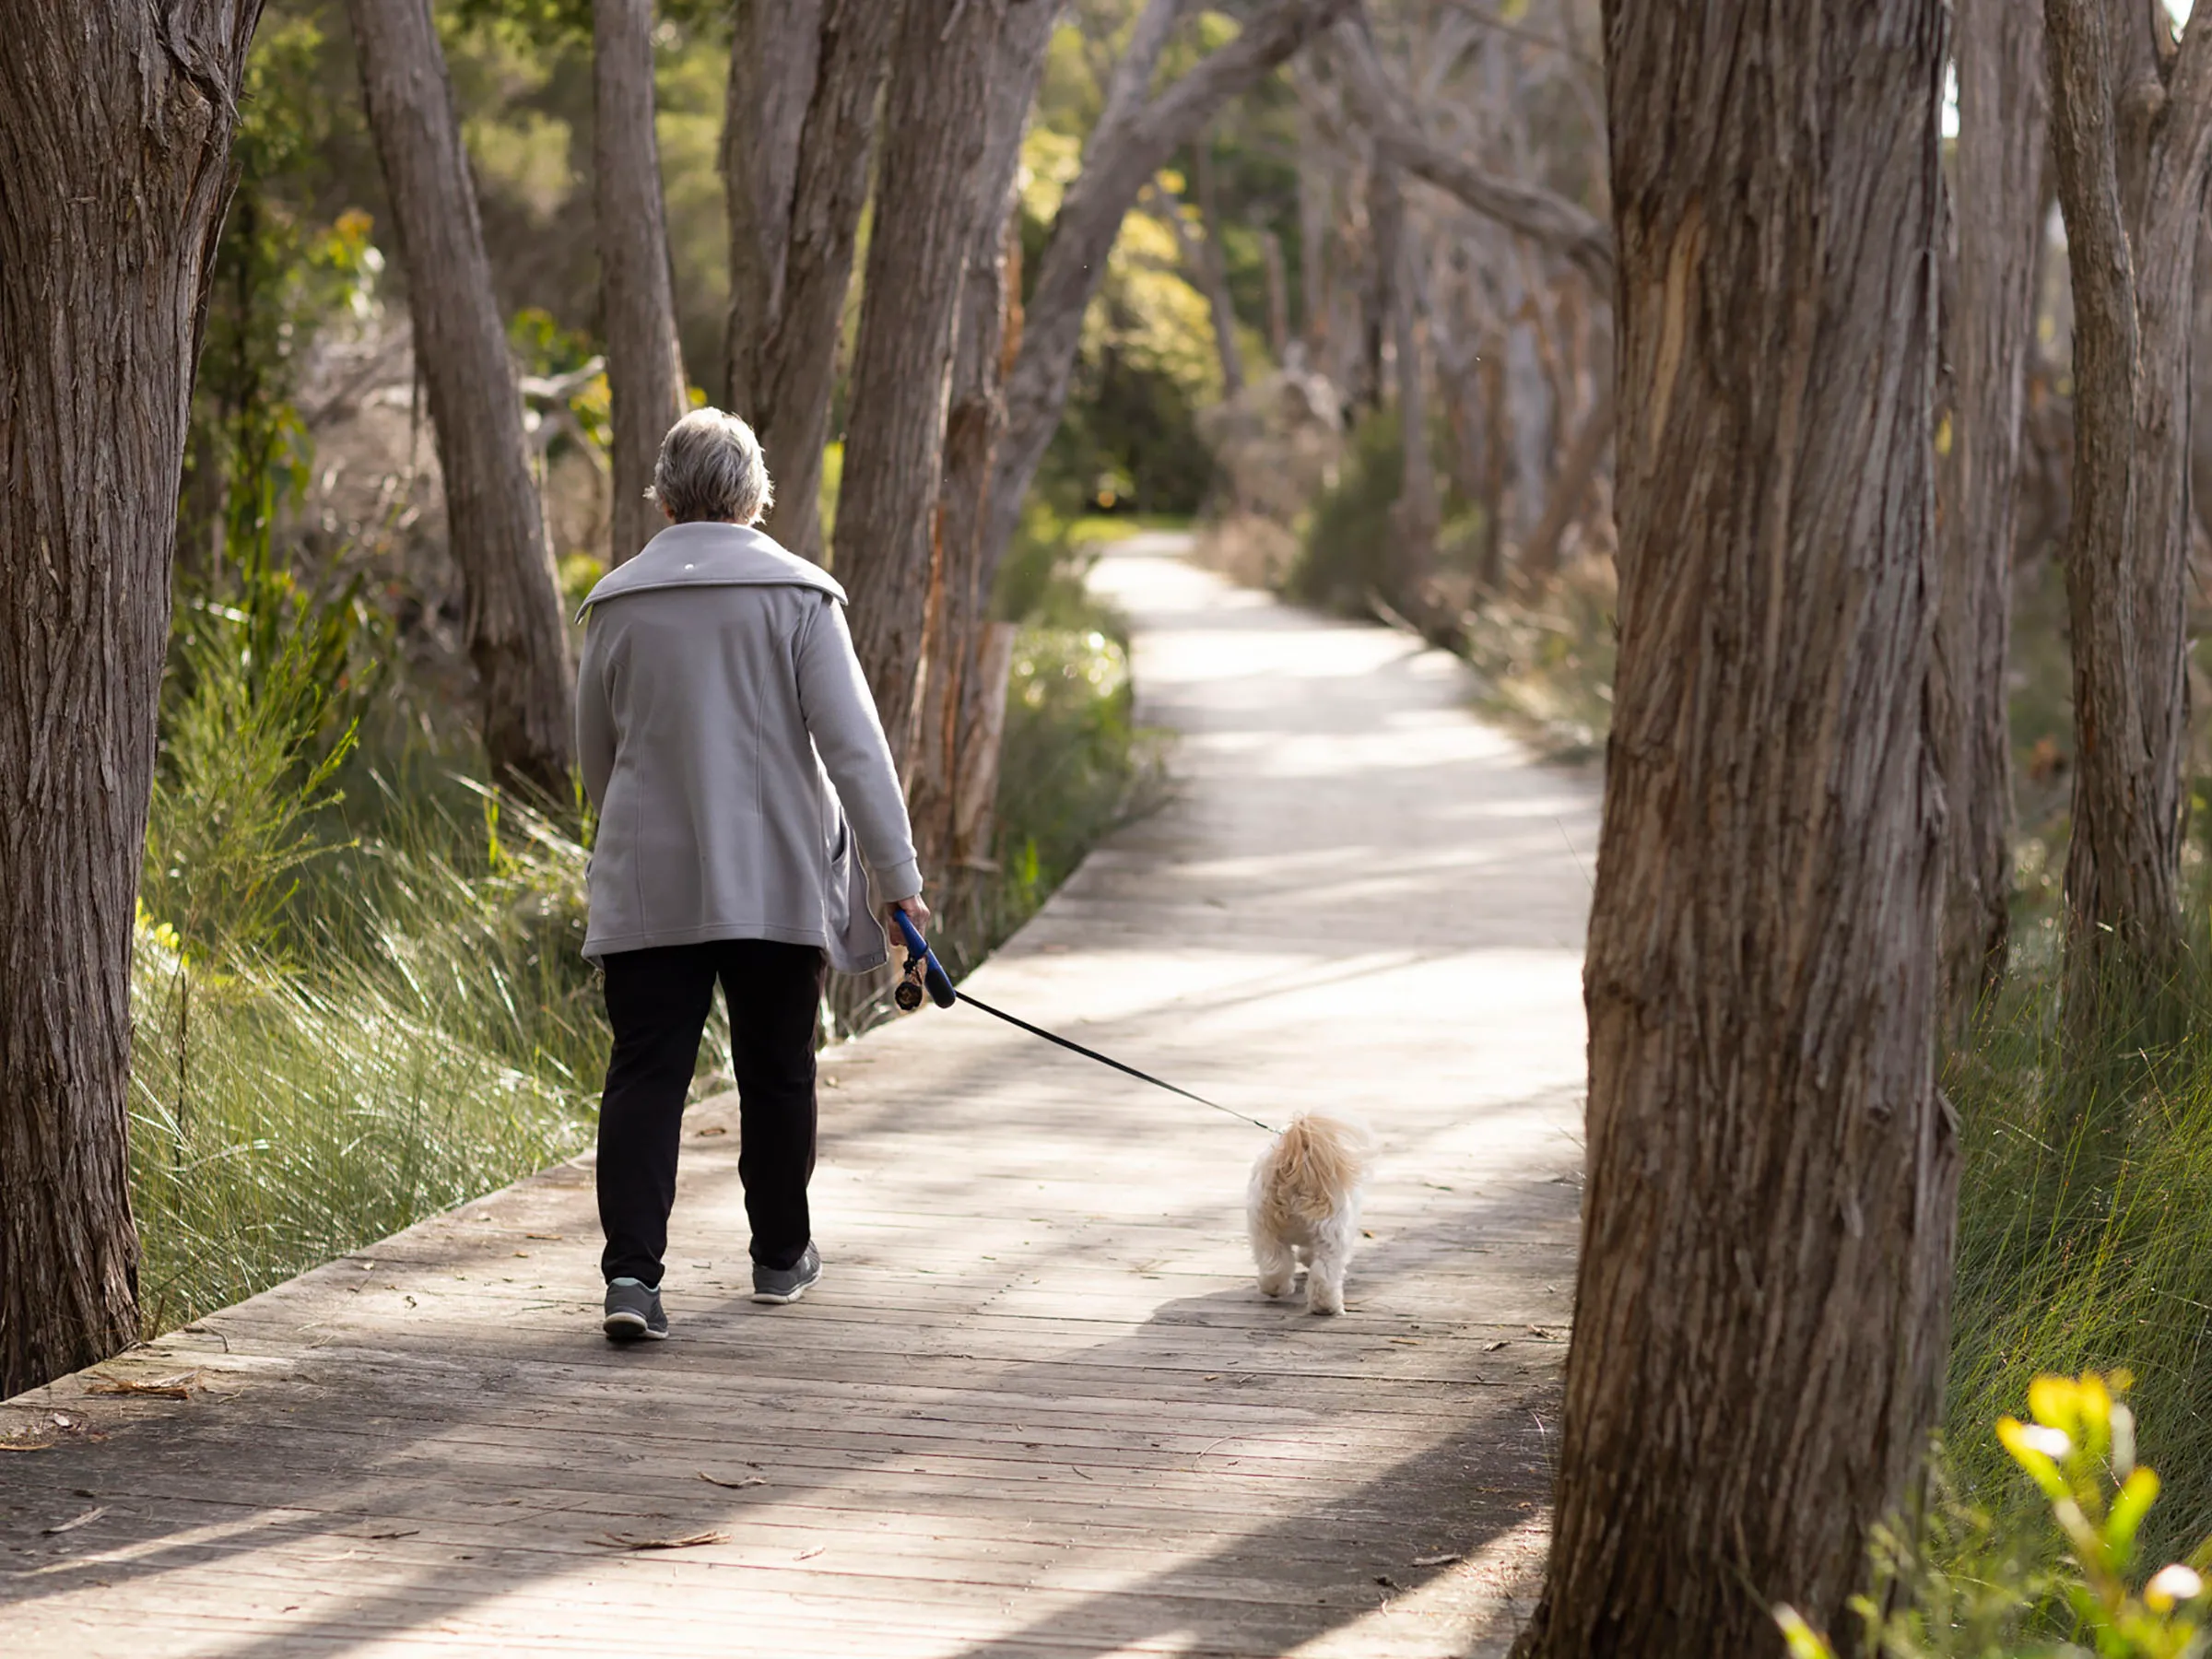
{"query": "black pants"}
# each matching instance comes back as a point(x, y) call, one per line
point(658, 1001)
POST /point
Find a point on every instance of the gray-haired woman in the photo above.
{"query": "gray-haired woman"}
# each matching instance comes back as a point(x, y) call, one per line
point(732, 750)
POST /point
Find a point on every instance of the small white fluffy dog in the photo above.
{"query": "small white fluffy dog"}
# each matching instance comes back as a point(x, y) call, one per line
point(1304, 1207)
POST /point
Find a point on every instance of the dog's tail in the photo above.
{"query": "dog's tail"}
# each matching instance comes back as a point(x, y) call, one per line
point(1319, 1161)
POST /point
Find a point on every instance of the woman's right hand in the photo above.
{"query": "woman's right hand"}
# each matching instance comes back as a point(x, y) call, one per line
point(917, 912)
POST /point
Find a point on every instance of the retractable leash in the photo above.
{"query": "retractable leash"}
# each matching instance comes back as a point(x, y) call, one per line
point(925, 973)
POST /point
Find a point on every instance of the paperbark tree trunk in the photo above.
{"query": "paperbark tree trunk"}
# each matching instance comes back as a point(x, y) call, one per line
point(2131, 127)
point(1578, 471)
point(1497, 453)
point(115, 128)
point(1415, 517)
point(1996, 206)
point(1202, 270)
point(956, 772)
point(517, 637)
point(1217, 297)
point(1279, 295)
point(937, 118)
point(1138, 132)
point(804, 77)
point(1762, 1293)
point(644, 359)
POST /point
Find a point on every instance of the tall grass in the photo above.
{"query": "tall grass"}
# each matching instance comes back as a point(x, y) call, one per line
point(2085, 1237)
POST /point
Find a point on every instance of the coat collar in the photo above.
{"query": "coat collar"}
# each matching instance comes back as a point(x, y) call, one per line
point(709, 555)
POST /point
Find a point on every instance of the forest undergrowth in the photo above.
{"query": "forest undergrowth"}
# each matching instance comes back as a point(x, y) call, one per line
point(356, 984)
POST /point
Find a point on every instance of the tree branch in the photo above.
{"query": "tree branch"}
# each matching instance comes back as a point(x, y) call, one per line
point(1548, 219)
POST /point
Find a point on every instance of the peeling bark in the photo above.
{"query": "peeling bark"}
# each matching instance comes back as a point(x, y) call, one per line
point(115, 129)
point(1762, 1291)
point(966, 659)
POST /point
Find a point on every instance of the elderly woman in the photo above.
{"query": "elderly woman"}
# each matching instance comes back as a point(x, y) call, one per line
point(742, 781)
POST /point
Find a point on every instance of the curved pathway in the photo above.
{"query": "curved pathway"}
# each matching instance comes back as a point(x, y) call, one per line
point(1036, 1406)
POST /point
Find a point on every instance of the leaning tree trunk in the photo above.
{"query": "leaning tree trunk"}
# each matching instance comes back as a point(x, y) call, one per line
point(966, 657)
point(804, 77)
point(1136, 133)
point(936, 121)
point(645, 360)
point(2131, 137)
point(1762, 1297)
point(517, 637)
point(1996, 206)
point(115, 128)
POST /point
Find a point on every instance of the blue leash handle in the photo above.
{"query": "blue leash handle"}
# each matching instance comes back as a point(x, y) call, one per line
point(941, 992)
point(936, 978)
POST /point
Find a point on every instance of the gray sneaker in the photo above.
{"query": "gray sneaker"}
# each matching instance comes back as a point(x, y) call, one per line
point(782, 1285)
point(634, 1312)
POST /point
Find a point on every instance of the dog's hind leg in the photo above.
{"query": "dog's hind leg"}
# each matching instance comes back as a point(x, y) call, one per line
point(1274, 1262)
point(1325, 1276)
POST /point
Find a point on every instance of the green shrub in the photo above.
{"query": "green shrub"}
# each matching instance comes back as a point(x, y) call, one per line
point(1348, 541)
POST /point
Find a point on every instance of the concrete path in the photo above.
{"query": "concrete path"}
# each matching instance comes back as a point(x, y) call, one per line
point(1037, 1405)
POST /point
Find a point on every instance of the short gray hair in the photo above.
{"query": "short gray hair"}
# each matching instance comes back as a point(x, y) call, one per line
point(711, 467)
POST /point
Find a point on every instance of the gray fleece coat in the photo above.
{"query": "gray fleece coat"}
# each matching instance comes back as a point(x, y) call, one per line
point(732, 750)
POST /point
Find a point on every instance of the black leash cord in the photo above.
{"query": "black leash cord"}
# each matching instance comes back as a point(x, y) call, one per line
point(1107, 1060)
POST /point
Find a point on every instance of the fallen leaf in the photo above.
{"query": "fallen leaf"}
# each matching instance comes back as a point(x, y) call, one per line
point(735, 1485)
point(24, 1445)
point(809, 1554)
point(1387, 1582)
point(1407, 1341)
point(85, 1519)
point(624, 1541)
point(1435, 1560)
point(1491, 1348)
point(713, 1129)
point(555, 1237)
point(178, 1387)
point(1211, 1377)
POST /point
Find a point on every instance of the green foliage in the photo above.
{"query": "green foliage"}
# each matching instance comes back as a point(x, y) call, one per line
point(278, 281)
point(2062, 1586)
point(1129, 437)
point(1351, 531)
point(255, 728)
point(1071, 756)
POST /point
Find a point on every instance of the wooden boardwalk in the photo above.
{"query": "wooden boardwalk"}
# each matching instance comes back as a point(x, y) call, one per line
point(1035, 1406)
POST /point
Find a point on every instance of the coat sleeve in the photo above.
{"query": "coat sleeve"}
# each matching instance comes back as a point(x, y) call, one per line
point(840, 718)
point(595, 720)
